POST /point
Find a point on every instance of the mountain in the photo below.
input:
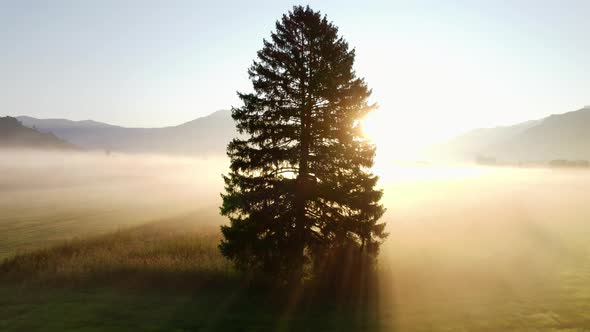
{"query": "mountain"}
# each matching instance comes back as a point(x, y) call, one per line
point(14, 135)
point(205, 136)
point(61, 123)
point(479, 141)
point(562, 136)
point(559, 136)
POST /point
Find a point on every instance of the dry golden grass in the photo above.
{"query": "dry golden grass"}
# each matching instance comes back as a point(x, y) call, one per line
point(170, 251)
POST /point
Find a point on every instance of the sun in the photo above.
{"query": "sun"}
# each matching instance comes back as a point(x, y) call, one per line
point(393, 140)
point(370, 126)
point(400, 136)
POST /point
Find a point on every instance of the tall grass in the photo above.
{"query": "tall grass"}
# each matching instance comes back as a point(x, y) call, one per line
point(169, 252)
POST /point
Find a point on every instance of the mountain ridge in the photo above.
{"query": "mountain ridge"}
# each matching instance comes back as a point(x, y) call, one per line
point(207, 135)
point(29, 121)
point(557, 136)
point(14, 135)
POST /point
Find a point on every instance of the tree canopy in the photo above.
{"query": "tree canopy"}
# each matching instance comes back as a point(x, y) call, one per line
point(299, 189)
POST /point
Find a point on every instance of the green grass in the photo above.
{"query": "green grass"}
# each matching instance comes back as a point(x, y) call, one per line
point(46, 309)
point(161, 276)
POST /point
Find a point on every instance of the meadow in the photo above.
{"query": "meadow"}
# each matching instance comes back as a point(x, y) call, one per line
point(117, 243)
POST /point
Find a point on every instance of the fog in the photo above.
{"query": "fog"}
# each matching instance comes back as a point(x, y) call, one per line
point(59, 195)
point(72, 194)
point(462, 238)
point(486, 243)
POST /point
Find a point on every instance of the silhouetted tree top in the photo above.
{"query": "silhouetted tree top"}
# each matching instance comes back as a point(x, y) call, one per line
point(299, 190)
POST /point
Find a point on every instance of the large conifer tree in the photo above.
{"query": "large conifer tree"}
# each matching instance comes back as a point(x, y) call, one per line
point(299, 186)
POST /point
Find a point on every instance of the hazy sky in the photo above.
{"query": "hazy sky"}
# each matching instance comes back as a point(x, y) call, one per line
point(436, 67)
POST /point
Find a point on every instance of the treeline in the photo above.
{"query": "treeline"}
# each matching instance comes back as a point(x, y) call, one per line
point(556, 163)
point(569, 163)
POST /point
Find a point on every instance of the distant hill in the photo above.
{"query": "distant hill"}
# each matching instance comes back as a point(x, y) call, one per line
point(562, 136)
point(559, 136)
point(16, 136)
point(205, 136)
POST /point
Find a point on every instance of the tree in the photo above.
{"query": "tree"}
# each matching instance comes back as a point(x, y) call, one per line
point(299, 187)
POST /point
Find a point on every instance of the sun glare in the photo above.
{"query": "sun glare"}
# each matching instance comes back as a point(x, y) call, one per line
point(400, 148)
point(393, 141)
point(370, 127)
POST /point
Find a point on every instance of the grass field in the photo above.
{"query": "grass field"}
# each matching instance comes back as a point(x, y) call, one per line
point(132, 246)
point(161, 276)
point(46, 198)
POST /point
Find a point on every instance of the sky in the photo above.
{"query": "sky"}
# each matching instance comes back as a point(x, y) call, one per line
point(437, 68)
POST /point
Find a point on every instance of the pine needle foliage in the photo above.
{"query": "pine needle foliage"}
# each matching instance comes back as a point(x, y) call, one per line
point(300, 191)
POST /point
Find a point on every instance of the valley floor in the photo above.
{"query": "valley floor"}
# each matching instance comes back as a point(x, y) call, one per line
point(158, 278)
point(121, 249)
